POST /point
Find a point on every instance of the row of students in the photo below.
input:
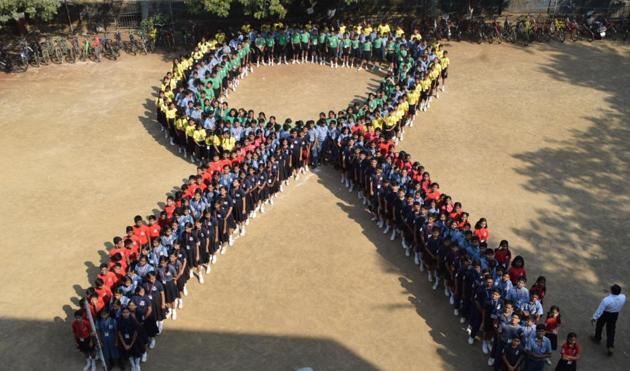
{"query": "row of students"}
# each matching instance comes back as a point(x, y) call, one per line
point(146, 278)
point(202, 125)
point(216, 204)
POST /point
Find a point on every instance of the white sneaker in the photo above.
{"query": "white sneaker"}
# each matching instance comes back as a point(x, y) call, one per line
point(416, 260)
point(144, 357)
point(548, 361)
point(174, 316)
point(223, 250)
point(380, 224)
point(88, 364)
point(471, 341)
point(208, 268)
point(435, 285)
point(452, 300)
point(242, 232)
point(484, 347)
point(214, 259)
point(446, 293)
point(429, 277)
point(231, 241)
point(393, 236)
point(407, 253)
point(462, 320)
point(200, 277)
point(421, 267)
point(185, 290)
point(386, 229)
point(191, 274)
point(490, 362)
point(455, 312)
point(152, 343)
point(180, 304)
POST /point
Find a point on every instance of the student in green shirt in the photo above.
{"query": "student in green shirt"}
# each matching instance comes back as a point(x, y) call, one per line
point(314, 45)
point(333, 49)
point(356, 51)
point(305, 37)
point(269, 50)
point(296, 46)
point(260, 48)
point(281, 49)
point(346, 48)
point(322, 46)
point(367, 53)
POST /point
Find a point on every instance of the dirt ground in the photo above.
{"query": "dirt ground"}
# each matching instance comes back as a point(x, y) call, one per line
point(536, 140)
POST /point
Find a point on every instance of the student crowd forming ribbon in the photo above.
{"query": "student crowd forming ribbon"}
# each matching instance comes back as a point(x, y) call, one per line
point(247, 158)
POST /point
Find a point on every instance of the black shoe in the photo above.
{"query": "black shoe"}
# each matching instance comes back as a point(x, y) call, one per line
point(610, 351)
point(595, 340)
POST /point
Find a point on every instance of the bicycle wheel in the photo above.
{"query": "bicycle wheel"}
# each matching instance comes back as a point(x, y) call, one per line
point(57, 56)
point(45, 57)
point(143, 47)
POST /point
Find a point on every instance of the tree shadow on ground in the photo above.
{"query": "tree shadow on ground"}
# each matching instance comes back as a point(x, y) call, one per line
point(582, 241)
point(187, 349)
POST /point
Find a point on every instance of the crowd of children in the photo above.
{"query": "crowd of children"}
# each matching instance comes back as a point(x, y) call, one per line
point(246, 159)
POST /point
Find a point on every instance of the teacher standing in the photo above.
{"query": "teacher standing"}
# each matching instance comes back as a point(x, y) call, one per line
point(606, 314)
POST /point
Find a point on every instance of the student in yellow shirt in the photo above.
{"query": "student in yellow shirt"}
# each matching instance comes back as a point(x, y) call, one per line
point(199, 136)
point(189, 130)
point(213, 142)
point(383, 28)
point(170, 113)
point(227, 142)
point(444, 62)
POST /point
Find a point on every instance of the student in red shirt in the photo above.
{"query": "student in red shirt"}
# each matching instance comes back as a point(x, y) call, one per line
point(517, 269)
point(104, 293)
point(82, 332)
point(540, 288)
point(141, 231)
point(481, 230)
point(434, 193)
point(503, 255)
point(154, 228)
point(570, 353)
point(108, 277)
point(552, 324)
point(170, 207)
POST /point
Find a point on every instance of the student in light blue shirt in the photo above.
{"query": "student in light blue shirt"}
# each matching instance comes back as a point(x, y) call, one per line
point(538, 350)
point(519, 295)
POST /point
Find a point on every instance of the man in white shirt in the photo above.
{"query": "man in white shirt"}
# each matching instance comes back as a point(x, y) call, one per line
point(607, 314)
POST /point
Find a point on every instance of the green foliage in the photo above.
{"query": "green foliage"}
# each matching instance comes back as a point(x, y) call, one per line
point(259, 9)
point(148, 24)
point(216, 7)
point(43, 10)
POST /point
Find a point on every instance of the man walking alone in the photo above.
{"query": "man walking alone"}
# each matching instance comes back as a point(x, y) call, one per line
point(607, 314)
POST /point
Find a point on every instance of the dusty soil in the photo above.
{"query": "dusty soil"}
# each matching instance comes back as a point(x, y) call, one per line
point(535, 139)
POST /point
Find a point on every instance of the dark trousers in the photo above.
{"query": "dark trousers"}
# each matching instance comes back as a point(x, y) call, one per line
point(610, 320)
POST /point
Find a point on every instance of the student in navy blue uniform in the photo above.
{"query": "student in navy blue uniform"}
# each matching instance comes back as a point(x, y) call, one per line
point(482, 294)
point(166, 274)
point(190, 245)
point(107, 332)
point(239, 197)
point(129, 341)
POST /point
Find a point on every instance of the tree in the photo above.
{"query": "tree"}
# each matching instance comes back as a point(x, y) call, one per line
point(259, 9)
point(43, 10)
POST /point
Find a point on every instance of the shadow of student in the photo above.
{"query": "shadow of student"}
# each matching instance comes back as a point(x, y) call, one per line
point(50, 346)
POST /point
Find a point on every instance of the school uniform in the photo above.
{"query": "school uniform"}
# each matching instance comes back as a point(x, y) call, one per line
point(129, 328)
point(107, 329)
